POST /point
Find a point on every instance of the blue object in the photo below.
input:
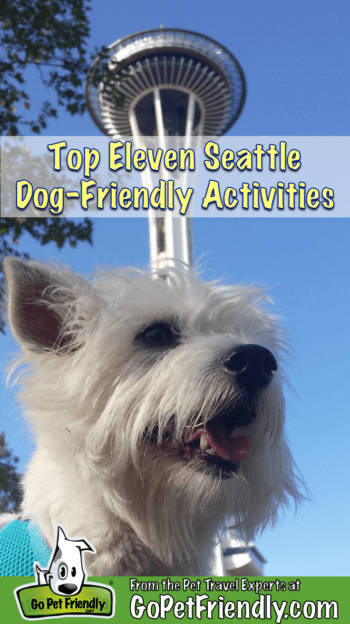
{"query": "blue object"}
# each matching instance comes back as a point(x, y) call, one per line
point(21, 543)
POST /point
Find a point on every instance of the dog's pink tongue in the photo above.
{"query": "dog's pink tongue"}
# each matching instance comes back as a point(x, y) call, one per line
point(230, 449)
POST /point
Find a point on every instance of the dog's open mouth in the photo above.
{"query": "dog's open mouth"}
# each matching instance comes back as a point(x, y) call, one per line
point(215, 445)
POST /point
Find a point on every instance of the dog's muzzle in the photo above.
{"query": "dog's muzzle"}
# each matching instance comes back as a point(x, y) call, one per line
point(215, 443)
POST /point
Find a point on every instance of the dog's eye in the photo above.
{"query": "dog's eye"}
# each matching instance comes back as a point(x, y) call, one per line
point(159, 335)
point(62, 571)
point(73, 571)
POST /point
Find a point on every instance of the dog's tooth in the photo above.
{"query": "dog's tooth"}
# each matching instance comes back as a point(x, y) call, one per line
point(210, 451)
point(203, 442)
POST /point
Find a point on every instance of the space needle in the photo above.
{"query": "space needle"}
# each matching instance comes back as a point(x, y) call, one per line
point(166, 83)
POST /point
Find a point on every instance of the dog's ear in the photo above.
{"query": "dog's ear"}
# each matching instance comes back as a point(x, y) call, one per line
point(38, 300)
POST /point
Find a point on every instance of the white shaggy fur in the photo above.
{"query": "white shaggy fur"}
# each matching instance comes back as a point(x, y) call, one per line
point(101, 391)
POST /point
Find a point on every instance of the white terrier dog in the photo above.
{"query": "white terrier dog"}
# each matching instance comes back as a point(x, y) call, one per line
point(158, 412)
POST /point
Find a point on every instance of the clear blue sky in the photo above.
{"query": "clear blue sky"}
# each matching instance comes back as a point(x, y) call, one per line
point(295, 57)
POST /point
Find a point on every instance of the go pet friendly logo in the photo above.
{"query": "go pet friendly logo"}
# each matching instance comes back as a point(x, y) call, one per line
point(60, 589)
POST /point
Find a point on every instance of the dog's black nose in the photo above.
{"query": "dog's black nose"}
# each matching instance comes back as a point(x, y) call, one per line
point(252, 365)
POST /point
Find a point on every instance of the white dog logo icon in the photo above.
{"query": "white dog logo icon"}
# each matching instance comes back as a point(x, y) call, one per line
point(66, 571)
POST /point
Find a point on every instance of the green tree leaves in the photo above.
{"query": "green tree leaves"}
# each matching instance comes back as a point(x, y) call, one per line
point(51, 36)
